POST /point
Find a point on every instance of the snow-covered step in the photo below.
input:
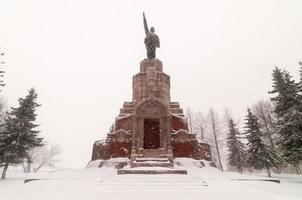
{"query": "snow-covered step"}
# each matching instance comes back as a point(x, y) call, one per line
point(152, 163)
point(152, 180)
point(176, 110)
point(175, 182)
point(131, 187)
point(150, 171)
point(151, 159)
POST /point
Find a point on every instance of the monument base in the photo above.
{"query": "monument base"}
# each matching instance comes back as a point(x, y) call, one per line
point(151, 129)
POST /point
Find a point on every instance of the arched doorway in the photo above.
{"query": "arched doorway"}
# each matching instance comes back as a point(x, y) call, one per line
point(151, 128)
point(151, 134)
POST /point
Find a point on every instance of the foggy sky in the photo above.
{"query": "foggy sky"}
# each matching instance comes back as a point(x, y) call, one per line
point(81, 55)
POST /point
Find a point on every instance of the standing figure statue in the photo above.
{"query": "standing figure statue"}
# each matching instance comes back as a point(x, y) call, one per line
point(151, 40)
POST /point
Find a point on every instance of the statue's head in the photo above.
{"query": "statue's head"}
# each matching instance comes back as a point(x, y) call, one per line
point(152, 30)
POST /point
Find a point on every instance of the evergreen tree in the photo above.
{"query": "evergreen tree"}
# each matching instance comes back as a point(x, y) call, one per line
point(300, 63)
point(12, 148)
point(236, 147)
point(1, 71)
point(286, 90)
point(289, 117)
point(290, 141)
point(264, 111)
point(259, 155)
point(19, 134)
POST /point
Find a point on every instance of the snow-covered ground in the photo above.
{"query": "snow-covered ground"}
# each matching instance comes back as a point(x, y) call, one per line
point(103, 183)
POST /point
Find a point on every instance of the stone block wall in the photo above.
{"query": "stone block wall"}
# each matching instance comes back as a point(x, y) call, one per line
point(120, 149)
point(151, 81)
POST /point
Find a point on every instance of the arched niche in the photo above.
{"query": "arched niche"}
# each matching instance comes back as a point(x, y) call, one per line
point(151, 114)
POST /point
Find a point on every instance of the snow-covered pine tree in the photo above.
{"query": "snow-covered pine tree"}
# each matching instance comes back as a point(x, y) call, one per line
point(267, 121)
point(286, 91)
point(264, 110)
point(289, 117)
point(12, 148)
point(236, 147)
point(300, 63)
point(291, 137)
point(26, 113)
point(19, 134)
point(259, 155)
point(1, 71)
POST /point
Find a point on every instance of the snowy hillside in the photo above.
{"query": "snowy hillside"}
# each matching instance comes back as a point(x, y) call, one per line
point(103, 183)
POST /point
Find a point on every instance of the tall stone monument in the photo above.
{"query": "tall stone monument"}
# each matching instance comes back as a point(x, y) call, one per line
point(151, 125)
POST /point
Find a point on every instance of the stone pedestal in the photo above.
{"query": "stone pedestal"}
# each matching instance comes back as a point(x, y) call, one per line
point(151, 81)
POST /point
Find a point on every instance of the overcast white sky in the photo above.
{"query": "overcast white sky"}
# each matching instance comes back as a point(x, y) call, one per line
point(81, 55)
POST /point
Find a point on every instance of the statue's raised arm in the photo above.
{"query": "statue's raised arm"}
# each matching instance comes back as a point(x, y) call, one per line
point(145, 24)
point(151, 40)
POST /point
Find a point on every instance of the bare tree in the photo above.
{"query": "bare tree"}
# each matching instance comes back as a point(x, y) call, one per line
point(48, 157)
point(190, 116)
point(227, 115)
point(29, 160)
point(215, 128)
point(264, 110)
point(267, 120)
point(42, 156)
point(200, 125)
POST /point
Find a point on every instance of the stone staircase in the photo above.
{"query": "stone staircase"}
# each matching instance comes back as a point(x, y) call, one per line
point(151, 162)
point(151, 171)
point(152, 158)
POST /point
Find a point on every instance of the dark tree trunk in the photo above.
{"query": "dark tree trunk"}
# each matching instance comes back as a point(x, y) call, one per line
point(201, 134)
point(268, 172)
point(28, 170)
point(24, 167)
point(37, 169)
point(214, 128)
point(278, 169)
point(297, 168)
point(28, 162)
point(240, 170)
point(217, 148)
point(3, 176)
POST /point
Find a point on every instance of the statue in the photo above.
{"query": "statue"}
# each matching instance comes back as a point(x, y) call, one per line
point(151, 40)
